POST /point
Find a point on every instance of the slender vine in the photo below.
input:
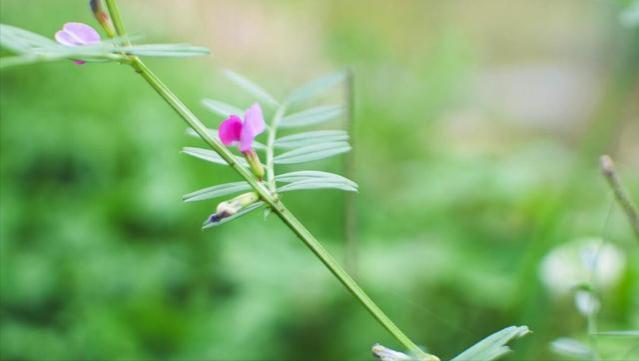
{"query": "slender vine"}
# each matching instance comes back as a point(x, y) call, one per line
point(265, 193)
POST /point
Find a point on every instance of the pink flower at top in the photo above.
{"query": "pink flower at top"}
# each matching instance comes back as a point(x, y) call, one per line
point(235, 131)
point(77, 34)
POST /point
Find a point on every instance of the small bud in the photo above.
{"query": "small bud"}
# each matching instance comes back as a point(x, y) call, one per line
point(254, 162)
point(102, 17)
point(231, 207)
point(386, 354)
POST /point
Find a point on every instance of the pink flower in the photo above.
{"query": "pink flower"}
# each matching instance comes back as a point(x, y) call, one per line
point(237, 131)
point(77, 34)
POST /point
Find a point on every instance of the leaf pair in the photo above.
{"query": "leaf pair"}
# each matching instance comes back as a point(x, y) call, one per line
point(294, 181)
point(31, 48)
point(493, 346)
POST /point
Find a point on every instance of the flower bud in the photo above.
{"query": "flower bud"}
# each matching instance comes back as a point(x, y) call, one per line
point(231, 207)
point(102, 17)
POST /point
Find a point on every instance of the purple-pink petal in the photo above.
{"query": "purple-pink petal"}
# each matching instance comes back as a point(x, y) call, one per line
point(65, 38)
point(252, 126)
point(77, 34)
point(84, 32)
point(230, 130)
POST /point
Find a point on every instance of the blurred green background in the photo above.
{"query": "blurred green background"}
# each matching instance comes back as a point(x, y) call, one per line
point(478, 130)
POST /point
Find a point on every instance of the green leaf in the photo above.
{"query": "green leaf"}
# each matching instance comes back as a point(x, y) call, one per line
point(310, 138)
point(629, 17)
point(251, 88)
point(315, 87)
point(216, 191)
point(312, 152)
point(312, 116)
point(209, 155)
point(164, 50)
point(312, 175)
point(20, 40)
point(221, 108)
point(493, 346)
point(621, 333)
point(317, 184)
point(570, 347)
point(237, 215)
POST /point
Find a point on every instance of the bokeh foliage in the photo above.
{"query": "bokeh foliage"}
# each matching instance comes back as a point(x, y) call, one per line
point(460, 195)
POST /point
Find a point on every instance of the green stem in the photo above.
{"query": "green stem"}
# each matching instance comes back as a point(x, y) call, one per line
point(350, 210)
point(608, 170)
point(269, 198)
point(316, 247)
point(278, 208)
point(270, 147)
point(116, 18)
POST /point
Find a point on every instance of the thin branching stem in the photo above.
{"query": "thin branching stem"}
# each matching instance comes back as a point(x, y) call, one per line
point(350, 207)
point(269, 198)
point(270, 147)
point(609, 172)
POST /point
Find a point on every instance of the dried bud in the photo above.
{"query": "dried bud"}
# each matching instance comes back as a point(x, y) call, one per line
point(102, 17)
point(231, 207)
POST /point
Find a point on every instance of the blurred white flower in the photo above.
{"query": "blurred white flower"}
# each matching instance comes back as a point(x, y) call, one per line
point(587, 304)
point(581, 262)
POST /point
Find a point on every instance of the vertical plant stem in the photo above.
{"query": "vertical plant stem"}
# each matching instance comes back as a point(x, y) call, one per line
point(592, 335)
point(274, 203)
point(609, 172)
point(270, 146)
point(350, 210)
point(116, 18)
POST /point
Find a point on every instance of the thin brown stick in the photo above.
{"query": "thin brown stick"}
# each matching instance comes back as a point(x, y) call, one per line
point(608, 170)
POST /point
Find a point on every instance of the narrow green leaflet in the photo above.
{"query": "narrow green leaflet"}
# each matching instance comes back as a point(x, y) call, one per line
point(239, 214)
point(9, 61)
point(493, 346)
point(312, 116)
point(251, 88)
point(163, 50)
point(221, 108)
point(19, 40)
point(209, 155)
point(216, 191)
point(315, 87)
point(213, 133)
point(629, 17)
point(310, 138)
point(312, 152)
point(620, 333)
point(313, 175)
point(317, 184)
point(570, 347)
